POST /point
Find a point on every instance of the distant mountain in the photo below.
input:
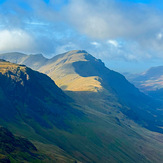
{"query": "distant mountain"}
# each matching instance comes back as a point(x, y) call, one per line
point(92, 125)
point(33, 61)
point(150, 82)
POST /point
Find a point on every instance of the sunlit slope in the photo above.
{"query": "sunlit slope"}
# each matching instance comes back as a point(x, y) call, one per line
point(38, 61)
point(61, 69)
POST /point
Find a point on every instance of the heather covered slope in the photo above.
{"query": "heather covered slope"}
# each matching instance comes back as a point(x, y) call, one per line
point(34, 107)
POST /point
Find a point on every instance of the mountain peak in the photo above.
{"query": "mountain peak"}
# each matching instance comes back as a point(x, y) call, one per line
point(77, 51)
point(76, 56)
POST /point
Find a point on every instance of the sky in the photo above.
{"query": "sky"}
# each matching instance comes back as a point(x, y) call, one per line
point(127, 35)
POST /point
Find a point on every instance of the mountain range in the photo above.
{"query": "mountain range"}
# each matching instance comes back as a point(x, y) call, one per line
point(149, 82)
point(78, 72)
point(97, 115)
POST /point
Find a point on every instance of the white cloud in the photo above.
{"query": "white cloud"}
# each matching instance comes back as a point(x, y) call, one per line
point(67, 47)
point(96, 44)
point(159, 36)
point(110, 19)
point(113, 42)
point(16, 40)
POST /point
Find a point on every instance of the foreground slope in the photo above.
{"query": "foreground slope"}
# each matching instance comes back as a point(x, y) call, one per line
point(34, 107)
point(17, 149)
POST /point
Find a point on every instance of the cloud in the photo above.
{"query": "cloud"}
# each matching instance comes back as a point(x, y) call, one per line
point(113, 42)
point(16, 40)
point(96, 44)
point(110, 19)
point(67, 47)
